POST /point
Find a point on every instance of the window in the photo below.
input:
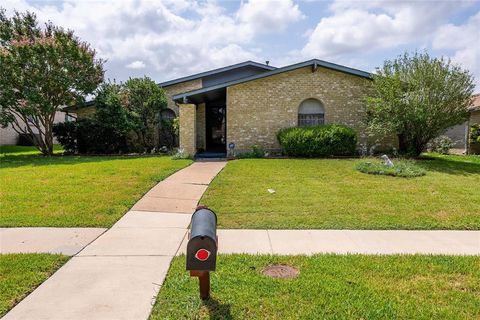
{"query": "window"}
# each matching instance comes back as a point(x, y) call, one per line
point(168, 115)
point(311, 113)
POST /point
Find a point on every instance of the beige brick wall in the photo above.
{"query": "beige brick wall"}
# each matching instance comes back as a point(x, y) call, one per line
point(475, 117)
point(180, 88)
point(257, 109)
point(200, 123)
point(188, 126)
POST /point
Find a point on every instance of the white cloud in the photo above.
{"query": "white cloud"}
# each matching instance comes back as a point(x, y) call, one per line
point(269, 16)
point(174, 37)
point(137, 64)
point(464, 40)
point(359, 27)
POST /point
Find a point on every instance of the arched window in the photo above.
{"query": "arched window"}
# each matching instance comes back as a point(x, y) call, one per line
point(168, 115)
point(311, 113)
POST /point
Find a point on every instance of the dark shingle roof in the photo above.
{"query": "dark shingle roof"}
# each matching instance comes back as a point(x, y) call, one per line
point(314, 63)
point(215, 71)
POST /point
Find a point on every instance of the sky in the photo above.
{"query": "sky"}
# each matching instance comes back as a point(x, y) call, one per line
point(168, 39)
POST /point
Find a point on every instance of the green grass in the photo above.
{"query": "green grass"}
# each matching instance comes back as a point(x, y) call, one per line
point(20, 274)
point(75, 191)
point(24, 150)
point(328, 287)
point(401, 168)
point(331, 194)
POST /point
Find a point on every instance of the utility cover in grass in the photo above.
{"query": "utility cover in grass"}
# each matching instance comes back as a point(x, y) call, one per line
point(281, 271)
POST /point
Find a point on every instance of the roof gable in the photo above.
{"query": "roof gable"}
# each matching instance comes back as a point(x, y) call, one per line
point(212, 77)
point(315, 63)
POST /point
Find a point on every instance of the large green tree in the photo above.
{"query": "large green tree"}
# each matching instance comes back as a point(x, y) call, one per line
point(417, 97)
point(41, 70)
point(145, 100)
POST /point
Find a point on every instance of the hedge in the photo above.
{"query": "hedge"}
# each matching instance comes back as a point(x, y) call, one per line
point(319, 141)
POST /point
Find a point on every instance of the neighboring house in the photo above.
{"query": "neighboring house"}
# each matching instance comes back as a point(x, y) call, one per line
point(460, 133)
point(474, 119)
point(8, 136)
point(246, 104)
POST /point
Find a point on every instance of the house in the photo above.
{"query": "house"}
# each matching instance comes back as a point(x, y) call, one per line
point(459, 134)
point(474, 119)
point(8, 136)
point(246, 104)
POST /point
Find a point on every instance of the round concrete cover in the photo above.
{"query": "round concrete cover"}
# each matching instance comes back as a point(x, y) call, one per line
point(280, 271)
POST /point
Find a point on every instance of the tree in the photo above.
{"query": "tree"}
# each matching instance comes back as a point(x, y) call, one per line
point(41, 70)
point(145, 100)
point(418, 97)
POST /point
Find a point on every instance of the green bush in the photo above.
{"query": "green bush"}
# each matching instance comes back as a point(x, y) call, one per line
point(475, 133)
point(441, 145)
point(401, 168)
point(66, 134)
point(181, 154)
point(90, 136)
point(320, 141)
point(257, 152)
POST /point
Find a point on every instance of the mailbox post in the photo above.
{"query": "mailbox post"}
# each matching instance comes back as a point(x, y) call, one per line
point(202, 248)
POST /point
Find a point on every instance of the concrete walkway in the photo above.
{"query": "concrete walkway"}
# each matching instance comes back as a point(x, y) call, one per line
point(67, 241)
point(307, 242)
point(119, 274)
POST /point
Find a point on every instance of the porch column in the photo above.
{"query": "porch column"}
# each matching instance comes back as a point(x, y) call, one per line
point(201, 126)
point(188, 130)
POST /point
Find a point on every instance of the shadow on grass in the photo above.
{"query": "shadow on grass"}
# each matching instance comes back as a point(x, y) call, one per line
point(218, 310)
point(14, 161)
point(451, 166)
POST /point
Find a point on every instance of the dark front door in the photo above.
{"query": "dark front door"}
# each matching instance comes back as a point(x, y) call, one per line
point(216, 128)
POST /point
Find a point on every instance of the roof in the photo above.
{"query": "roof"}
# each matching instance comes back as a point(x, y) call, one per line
point(215, 71)
point(475, 106)
point(314, 63)
point(78, 106)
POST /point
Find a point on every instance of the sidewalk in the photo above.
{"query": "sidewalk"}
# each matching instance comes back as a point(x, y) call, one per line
point(66, 241)
point(307, 242)
point(119, 274)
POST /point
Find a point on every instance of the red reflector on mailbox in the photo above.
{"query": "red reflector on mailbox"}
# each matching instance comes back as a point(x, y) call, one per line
point(202, 254)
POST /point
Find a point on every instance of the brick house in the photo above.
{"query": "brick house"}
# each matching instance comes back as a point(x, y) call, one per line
point(460, 133)
point(247, 103)
point(8, 135)
point(474, 119)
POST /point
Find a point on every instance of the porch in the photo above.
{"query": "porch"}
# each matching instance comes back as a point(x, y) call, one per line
point(203, 124)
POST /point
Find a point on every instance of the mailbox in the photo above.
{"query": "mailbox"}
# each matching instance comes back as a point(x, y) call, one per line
point(202, 248)
point(202, 243)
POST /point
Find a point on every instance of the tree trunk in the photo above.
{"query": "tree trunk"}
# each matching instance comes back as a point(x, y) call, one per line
point(402, 144)
point(46, 147)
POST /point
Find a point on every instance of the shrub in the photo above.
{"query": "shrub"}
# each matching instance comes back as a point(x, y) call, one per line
point(475, 133)
point(401, 168)
point(66, 134)
point(320, 141)
point(442, 145)
point(180, 154)
point(257, 152)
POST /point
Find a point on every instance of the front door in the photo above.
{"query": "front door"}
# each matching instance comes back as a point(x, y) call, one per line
point(216, 137)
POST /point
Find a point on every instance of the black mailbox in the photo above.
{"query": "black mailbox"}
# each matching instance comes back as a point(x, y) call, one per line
point(202, 243)
point(202, 248)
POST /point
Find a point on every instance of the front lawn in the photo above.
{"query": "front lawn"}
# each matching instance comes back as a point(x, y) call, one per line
point(328, 287)
point(331, 194)
point(75, 191)
point(20, 274)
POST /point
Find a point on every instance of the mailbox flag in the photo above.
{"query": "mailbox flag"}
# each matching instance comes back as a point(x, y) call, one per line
point(202, 254)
